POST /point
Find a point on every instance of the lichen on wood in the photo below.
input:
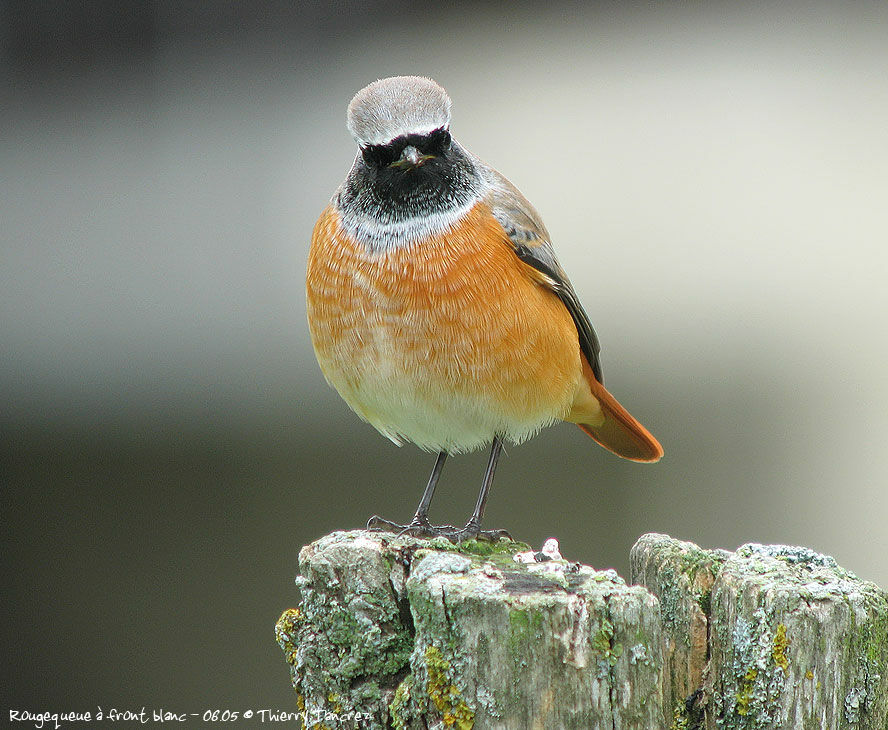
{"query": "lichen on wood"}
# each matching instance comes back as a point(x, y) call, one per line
point(404, 633)
point(792, 639)
point(466, 637)
point(815, 636)
point(681, 575)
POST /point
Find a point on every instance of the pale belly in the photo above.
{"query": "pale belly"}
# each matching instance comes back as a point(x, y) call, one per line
point(446, 343)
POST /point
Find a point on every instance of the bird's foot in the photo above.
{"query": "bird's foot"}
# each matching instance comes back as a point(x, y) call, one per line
point(417, 527)
point(473, 531)
point(422, 528)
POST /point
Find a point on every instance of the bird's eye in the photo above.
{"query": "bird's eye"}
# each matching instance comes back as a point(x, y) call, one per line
point(378, 155)
point(439, 141)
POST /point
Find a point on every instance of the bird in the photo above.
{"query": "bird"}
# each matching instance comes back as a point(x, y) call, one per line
point(437, 307)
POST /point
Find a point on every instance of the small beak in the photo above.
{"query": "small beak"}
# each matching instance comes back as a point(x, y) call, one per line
point(411, 157)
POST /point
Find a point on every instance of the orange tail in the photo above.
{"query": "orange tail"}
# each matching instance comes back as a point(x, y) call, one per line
point(620, 432)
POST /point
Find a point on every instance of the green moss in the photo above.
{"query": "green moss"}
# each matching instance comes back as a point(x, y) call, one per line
point(487, 547)
point(524, 621)
point(687, 569)
point(691, 562)
point(866, 650)
point(367, 653)
point(603, 644)
point(400, 708)
point(444, 694)
point(500, 554)
point(876, 638)
point(682, 571)
point(340, 626)
point(744, 695)
point(680, 719)
point(778, 652)
point(478, 548)
point(704, 600)
point(345, 644)
point(700, 559)
point(525, 625)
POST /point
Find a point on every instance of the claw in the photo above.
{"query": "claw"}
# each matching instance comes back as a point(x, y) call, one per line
point(422, 528)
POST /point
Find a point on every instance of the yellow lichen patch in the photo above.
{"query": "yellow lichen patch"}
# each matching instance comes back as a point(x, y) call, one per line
point(335, 705)
point(285, 629)
point(444, 694)
point(781, 643)
point(809, 674)
point(400, 701)
point(744, 696)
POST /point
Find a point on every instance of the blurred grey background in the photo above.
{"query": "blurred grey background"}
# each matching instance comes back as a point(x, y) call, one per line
point(715, 177)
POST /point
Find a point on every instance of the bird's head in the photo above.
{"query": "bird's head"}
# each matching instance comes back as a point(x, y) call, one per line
point(400, 122)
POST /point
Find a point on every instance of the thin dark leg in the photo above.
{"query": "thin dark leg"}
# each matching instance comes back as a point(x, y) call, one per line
point(422, 512)
point(419, 525)
point(473, 526)
point(495, 450)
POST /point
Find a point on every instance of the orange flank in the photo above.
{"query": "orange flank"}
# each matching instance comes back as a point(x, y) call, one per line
point(450, 339)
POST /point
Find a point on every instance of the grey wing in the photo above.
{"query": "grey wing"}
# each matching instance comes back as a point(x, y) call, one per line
point(530, 240)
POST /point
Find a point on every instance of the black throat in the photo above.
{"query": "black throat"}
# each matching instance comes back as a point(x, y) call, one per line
point(379, 187)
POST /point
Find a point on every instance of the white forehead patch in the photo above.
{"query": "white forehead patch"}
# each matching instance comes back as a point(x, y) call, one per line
point(399, 105)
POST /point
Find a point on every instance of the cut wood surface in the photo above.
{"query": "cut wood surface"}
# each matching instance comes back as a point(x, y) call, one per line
point(400, 632)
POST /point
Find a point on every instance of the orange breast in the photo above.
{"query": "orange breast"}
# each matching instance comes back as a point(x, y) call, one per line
point(444, 342)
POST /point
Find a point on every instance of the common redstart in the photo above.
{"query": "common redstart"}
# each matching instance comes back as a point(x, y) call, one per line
point(437, 307)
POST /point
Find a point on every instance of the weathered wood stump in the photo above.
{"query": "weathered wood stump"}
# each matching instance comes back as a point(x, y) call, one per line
point(770, 636)
point(397, 632)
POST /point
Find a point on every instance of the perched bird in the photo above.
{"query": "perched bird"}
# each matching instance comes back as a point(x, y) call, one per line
point(437, 307)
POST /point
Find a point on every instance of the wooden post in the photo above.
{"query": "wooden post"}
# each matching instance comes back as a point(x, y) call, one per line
point(791, 639)
point(397, 632)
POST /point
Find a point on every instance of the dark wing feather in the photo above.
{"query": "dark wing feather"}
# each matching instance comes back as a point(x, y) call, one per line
point(530, 240)
point(561, 286)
